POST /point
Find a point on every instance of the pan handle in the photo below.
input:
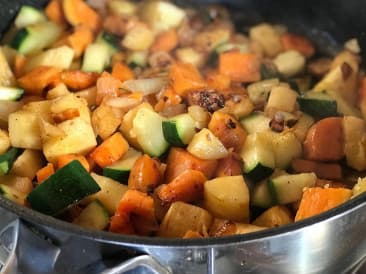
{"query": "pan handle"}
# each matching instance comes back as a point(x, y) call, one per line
point(145, 261)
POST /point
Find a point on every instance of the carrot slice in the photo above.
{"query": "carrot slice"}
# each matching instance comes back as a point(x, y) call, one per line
point(239, 67)
point(317, 200)
point(63, 160)
point(324, 140)
point(67, 114)
point(180, 160)
point(299, 43)
point(78, 80)
point(122, 72)
point(19, 65)
point(36, 81)
point(218, 81)
point(186, 187)
point(145, 174)
point(80, 39)
point(322, 170)
point(45, 172)
point(77, 12)
point(134, 208)
point(112, 149)
point(185, 77)
point(55, 12)
point(166, 41)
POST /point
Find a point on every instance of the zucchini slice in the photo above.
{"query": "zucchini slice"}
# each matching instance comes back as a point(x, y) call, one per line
point(258, 156)
point(60, 57)
point(256, 122)
point(258, 92)
point(120, 170)
point(318, 104)
point(261, 196)
point(287, 189)
point(29, 15)
point(96, 57)
point(7, 159)
point(110, 40)
point(10, 94)
point(179, 130)
point(34, 38)
point(147, 126)
point(65, 187)
point(94, 216)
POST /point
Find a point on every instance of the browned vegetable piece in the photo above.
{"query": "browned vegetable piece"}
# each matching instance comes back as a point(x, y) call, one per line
point(322, 170)
point(38, 79)
point(186, 187)
point(145, 174)
point(324, 140)
point(274, 216)
point(231, 165)
point(228, 130)
point(180, 160)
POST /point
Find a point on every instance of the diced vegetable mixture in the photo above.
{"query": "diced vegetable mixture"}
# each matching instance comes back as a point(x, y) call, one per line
point(152, 119)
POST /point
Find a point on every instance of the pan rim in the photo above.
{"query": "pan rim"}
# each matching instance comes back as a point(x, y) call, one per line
point(38, 219)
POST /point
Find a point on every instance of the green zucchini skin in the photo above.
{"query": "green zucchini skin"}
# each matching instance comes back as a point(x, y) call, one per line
point(7, 159)
point(317, 107)
point(117, 175)
point(259, 172)
point(19, 38)
point(171, 134)
point(65, 187)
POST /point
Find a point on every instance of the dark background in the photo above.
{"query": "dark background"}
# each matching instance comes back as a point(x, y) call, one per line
point(328, 23)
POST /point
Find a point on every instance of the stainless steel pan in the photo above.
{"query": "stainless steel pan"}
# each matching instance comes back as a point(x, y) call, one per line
point(333, 242)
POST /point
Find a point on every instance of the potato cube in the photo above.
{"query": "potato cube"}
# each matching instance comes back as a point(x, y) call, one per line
point(27, 164)
point(79, 138)
point(182, 217)
point(70, 101)
point(41, 108)
point(24, 130)
point(227, 198)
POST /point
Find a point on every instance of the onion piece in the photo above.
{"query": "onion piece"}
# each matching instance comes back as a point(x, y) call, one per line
point(145, 86)
point(123, 103)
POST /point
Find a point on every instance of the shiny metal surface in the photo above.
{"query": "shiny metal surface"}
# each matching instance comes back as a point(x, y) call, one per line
point(333, 242)
point(333, 245)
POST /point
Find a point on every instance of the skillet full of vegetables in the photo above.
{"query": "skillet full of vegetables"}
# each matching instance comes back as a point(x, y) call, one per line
point(151, 119)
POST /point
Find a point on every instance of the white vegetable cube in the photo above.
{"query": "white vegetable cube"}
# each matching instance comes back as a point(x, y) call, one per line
point(161, 15)
point(4, 141)
point(227, 198)
point(354, 133)
point(191, 56)
point(24, 130)
point(290, 63)
point(205, 145)
point(182, 217)
point(281, 98)
point(267, 36)
point(286, 147)
point(60, 57)
point(27, 164)
point(138, 38)
point(41, 108)
point(79, 138)
point(70, 101)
